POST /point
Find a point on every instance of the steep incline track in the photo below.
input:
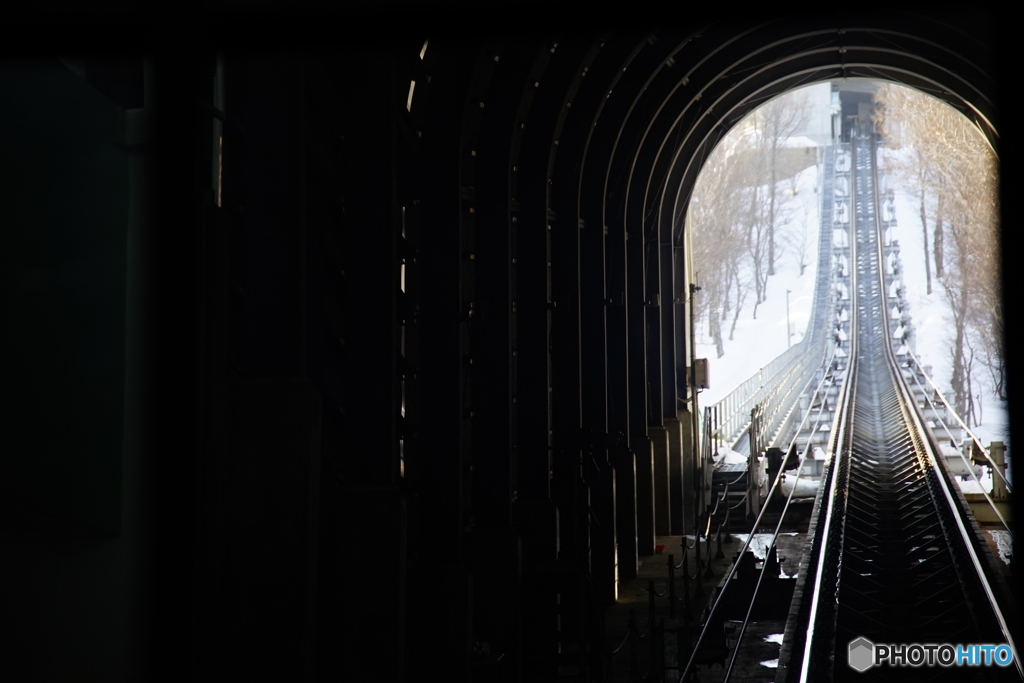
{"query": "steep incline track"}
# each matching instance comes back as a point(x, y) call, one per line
point(896, 557)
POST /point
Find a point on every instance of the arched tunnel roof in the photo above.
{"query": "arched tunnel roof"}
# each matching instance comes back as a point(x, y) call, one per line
point(521, 335)
point(655, 100)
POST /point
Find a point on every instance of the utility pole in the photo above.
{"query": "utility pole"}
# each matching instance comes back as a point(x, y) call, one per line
point(789, 335)
point(698, 469)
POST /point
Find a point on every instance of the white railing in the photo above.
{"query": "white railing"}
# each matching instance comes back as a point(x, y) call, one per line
point(732, 412)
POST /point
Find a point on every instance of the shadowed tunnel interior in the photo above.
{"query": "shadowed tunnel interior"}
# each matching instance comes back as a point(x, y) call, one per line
point(394, 326)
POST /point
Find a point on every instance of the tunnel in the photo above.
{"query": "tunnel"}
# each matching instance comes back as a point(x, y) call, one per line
point(373, 363)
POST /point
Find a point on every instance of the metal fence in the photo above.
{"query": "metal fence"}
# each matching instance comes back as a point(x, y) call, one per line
point(770, 393)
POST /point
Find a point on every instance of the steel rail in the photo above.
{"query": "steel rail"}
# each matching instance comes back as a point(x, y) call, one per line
point(837, 439)
point(911, 413)
point(920, 450)
point(963, 426)
point(727, 581)
point(829, 376)
point(782, 517)
point(959, 452)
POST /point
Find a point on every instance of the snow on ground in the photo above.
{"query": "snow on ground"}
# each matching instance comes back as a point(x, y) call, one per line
point(798, 142)
point(932, 318)
point(805, 487)
point(1005, 544)
point(757, 342)
point(727, 456)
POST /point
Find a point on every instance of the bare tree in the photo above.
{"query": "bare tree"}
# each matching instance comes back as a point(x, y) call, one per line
point(713, 217)
point(739, 208)
point(778, 120)
point(954, 164)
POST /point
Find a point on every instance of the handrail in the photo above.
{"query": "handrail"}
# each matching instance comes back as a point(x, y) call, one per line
point(970, 469)
point(778, 526)
point(972, 436)
point(769, 412)
point(769, 392)
point(732, 411)
point(735, 406)
point(965, 535)
point(727, 581)
point(832, 528)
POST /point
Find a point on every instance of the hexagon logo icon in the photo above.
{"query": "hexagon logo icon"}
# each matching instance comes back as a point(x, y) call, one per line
point(862, 654)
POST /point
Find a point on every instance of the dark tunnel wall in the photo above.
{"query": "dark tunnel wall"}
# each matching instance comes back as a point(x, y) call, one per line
point(423, 368)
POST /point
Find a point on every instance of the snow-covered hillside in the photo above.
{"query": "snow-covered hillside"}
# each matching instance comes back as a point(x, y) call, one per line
point(757, 342)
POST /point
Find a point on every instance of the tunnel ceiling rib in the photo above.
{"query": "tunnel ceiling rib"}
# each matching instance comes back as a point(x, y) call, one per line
point(699, 135)
point(600, 109)
point(721, 77)
point(646, 91)
point(966, 88)
point(807, 54)
point(581, 71)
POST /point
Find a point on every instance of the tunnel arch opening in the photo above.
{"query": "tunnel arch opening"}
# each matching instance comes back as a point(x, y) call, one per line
point(500, 265)
point(617, 149)
point(929, 125)
point(564, 165)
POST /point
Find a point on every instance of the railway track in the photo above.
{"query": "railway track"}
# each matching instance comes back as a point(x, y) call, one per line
point(896, 557)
